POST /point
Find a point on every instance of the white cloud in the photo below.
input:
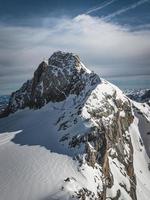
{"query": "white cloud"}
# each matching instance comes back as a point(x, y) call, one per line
point(104, 5)
point(107, 48)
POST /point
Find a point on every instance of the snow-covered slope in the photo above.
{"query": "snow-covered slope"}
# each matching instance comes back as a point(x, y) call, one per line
point(83, 142)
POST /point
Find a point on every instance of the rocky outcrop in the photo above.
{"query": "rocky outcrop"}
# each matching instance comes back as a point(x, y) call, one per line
point(64, 74)
point(114, 138)
point(107, 141)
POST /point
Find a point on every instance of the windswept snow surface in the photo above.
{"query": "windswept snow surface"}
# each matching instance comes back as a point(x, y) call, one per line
point(33, 163)
point(29, 170)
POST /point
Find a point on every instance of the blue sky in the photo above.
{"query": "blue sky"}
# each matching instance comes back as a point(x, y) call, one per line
point(25, 12)
point(112, 37)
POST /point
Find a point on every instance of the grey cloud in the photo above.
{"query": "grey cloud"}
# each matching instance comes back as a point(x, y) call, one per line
point(109, 49)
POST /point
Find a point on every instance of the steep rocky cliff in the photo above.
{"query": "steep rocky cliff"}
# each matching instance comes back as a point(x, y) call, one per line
point(63, 75)
point(94, 123)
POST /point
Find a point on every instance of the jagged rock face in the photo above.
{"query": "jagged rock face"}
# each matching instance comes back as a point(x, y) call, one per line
point(107, 142)
point(94, 123)
point(115, 138)
point(63, 75)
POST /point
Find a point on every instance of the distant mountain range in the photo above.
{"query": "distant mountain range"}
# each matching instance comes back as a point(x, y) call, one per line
point(139, 95)
point(4, 100)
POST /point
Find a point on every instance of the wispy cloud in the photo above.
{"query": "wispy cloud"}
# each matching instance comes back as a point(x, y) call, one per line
point(100, 7)
point(142, 27)
point(104, 47)
point(123, 10)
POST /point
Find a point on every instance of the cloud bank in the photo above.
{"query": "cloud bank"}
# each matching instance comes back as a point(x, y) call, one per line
point(107, 48)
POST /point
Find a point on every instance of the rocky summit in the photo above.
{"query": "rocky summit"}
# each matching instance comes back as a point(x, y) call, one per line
point(64, 74)
point(73, 135)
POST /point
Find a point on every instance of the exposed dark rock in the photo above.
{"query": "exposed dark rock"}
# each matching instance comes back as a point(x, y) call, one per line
point(91, 154)
point(63, 75)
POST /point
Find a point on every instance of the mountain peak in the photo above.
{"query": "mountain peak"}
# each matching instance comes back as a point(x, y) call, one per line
point(68, 60)
point(60, 59)
point(64, 74)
